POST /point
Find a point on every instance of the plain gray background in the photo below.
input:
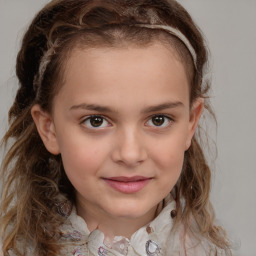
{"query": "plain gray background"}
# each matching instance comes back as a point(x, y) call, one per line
point(230, 29)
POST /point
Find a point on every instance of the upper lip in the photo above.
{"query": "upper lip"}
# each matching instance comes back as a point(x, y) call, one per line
point(128, 179)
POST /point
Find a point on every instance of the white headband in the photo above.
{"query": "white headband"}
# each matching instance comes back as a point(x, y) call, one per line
point(176, 33)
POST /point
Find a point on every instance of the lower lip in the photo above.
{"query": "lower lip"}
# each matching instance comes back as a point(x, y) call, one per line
point(127, 187)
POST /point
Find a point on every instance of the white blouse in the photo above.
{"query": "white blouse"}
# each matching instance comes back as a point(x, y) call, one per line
point(158, 238)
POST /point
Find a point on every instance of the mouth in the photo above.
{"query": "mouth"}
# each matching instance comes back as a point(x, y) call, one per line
point(127, 185)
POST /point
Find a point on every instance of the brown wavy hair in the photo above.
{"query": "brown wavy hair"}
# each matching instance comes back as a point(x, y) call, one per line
point(34, 181)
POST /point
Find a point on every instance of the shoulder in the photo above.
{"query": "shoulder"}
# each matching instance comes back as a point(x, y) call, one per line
point(1, 247)
point(202, 247)
point(29, 250)
point(195, 244)
point(1, 251)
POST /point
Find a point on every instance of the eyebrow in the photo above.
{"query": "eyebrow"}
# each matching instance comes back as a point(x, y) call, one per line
point(167, 105)
point(104, 109)
point(92, 107)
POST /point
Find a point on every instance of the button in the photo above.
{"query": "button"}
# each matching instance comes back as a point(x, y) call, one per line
point(152, 248)
point(64, 208)
point(121, 246)
point(149, 230)
point(173, 213)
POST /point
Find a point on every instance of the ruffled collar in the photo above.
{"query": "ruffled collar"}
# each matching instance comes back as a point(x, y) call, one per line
point(148, 240)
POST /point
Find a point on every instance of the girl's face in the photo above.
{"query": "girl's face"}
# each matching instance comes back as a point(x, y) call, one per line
point(121, 123)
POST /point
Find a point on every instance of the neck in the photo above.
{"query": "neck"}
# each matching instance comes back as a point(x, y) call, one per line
point(110, 225)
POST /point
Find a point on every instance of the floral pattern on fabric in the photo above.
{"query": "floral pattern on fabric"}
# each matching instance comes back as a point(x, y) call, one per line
point(158, 238)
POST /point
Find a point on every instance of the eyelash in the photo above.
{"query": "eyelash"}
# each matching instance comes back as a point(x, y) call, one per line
point(89, 118)
point(166, 118)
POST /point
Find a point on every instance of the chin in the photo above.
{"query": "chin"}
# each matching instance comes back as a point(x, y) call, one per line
point(132, 211)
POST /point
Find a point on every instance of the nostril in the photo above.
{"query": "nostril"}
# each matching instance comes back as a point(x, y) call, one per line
point(129, 148)
point(129, 157)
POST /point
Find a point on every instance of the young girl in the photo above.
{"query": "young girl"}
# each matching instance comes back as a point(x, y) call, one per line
point(102, 155)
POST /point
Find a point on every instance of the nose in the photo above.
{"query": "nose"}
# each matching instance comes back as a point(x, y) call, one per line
point(129, 148)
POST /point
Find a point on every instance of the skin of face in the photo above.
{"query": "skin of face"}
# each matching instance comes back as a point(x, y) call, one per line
point(139, 100)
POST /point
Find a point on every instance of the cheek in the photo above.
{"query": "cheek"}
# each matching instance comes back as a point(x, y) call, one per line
point(169, 151)
point(168, 157)
point(82, 157)
point(170, 163)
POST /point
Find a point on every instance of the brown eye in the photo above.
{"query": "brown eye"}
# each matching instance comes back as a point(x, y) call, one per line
point(96, 122)
point(159, 121)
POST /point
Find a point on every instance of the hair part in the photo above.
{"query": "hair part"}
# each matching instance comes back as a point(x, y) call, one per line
point(34, 179)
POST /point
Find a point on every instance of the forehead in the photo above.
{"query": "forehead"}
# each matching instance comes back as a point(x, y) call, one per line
point(132, 72)
point(155, 56)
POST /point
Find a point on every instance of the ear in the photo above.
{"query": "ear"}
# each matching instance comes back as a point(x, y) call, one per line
point(45, 128)
point(195, 114)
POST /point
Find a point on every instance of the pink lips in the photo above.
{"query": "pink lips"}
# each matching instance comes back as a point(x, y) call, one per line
point(127, 184)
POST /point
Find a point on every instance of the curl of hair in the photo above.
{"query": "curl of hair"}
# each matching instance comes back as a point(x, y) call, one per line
point(34, 181)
